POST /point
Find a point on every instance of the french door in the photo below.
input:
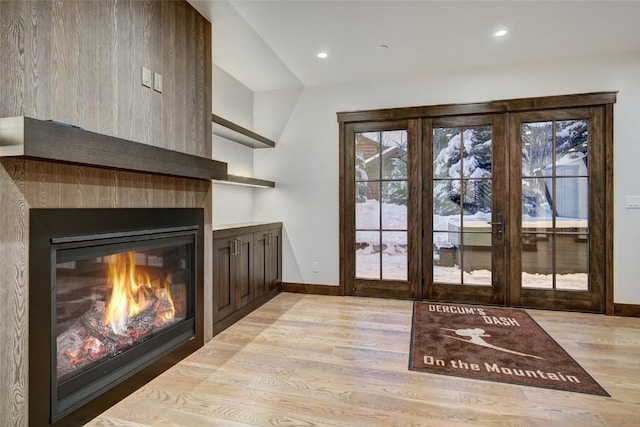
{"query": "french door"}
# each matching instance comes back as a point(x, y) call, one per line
point(464, 209)
point(504, 203)
point(557, 209)
point(385, 207)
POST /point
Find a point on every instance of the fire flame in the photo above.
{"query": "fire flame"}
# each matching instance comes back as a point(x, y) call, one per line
point(132, 292)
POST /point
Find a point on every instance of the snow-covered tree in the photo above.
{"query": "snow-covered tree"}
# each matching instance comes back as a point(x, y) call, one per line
point(463, 162)
point(571, 141)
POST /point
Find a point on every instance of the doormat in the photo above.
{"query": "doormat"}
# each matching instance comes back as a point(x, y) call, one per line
point(492, 343)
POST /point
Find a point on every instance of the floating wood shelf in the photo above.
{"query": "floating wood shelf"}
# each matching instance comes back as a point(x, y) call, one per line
point(233, 132)
point(247, 181)
point(46, 140)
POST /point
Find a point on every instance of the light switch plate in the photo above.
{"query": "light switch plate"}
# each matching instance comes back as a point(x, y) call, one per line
point(633, 202)
point(146, 77)
point(157, 82)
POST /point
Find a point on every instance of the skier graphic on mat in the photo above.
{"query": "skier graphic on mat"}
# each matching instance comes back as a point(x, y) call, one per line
point(476, 336)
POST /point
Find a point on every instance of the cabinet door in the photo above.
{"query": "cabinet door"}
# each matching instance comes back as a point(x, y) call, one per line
point(261, 248)
point(224, 266)
point(274, 259)
point(267, 261)
point(244, 270)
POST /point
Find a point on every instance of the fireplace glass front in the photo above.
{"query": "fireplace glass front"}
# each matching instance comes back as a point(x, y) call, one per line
point(118, 302)
point(110, 298)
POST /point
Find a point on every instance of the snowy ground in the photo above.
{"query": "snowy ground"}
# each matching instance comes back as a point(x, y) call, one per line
point(394, 245)
point(394, 267)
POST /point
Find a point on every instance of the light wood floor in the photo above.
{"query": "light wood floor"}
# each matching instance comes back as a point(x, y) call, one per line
point(310, 360)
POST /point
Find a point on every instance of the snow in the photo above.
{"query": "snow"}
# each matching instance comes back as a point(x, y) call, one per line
point(470, 163)
point(395, 268)
point(394, 243)
point(394, 217)
point(573, 281)
point(383, 154)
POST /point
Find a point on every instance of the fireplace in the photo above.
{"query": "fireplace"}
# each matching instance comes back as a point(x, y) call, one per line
point(115, 298)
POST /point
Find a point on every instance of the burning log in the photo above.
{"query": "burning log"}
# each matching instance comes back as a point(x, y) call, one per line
point(138, 305)
point(90, 339)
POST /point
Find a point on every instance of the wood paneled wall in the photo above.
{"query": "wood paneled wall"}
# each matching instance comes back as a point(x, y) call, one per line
point(80, 62)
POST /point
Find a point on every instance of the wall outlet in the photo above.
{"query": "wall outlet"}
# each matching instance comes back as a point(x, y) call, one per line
point(146, 77)
point(315, 267)
point(157, 82)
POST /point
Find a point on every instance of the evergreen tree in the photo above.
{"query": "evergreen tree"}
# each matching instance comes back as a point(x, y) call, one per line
point(362, 187)
point(462, 153)
point(396, 191)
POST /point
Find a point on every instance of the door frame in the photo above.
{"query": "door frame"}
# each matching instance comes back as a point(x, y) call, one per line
point(597, 99)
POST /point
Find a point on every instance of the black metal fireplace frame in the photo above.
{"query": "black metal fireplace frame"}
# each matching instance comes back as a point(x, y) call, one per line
point(54, 228)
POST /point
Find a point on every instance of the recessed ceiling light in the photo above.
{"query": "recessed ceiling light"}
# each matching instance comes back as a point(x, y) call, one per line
point(322, 55)
point(500, 33)
point(383, 46)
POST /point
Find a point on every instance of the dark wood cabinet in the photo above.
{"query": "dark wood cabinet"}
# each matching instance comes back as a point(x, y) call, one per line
point(232, 274)
point(267, 260)
point(247, 270)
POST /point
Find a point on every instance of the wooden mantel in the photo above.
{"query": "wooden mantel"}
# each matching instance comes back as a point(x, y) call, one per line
point(47, 140)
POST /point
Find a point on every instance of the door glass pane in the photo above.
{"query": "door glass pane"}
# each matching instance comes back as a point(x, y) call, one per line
point(394, 205)
point(476, 258)
point(381, 192)
point(462, 205)
point(537, 261)
point(367, 254)
point(446, 151)
point(537, 147)
point(367, 155)
point(477, 196)
point(368, 206)
point(477, 152)
point(556, 207)
point(536, 204)
point(445, 205)
point(394, 154)
point(572, 201)
point(572, 263)
point(572, 146)
point(394, 256)
point(446, 260)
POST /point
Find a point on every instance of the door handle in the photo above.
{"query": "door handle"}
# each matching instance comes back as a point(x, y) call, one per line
point(497, 225)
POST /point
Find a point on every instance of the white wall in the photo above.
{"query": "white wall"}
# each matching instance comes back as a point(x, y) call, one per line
point(232, 101)
point(305, 161)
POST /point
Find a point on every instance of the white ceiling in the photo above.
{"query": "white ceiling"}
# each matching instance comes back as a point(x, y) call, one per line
point(272, 44)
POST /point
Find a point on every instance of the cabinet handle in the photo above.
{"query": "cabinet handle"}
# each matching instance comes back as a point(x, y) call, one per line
point(237, 247)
